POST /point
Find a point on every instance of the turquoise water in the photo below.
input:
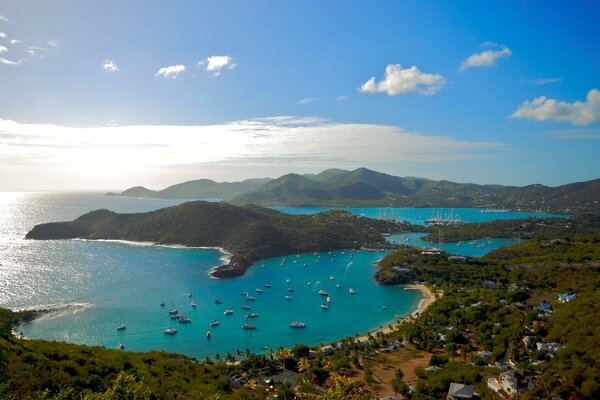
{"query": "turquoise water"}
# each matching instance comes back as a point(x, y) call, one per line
point(471, 248)
point(418, 216)
point(112, 283)
point(109, 283)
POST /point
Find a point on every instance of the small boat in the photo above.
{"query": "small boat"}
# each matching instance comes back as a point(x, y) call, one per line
point(170, 331)
point(294, 262)
point(162, 304)
point(338, 286)
point(193, 304)
point(259, 290)
point(351, 291)
point(266, 285)
point(309, 283)
point(244, 293)
point(218, 301)
point(331, 278)
point(246, 307)
point(228, 312)
point(184, 320)
point(323, 293)
point(291, 289)
point(288, 280)
point(174, 316)
point(251, 298)
point(215, 323)
point(189, 294)
point(297, 324)
point(328, 299)
point(304, 265)
point(121, 346)
point(208, 334)
point(173, 312)
point(287, 297)
point(249, 327)
point(121, 327)
point(252, 315)
point(325, 306)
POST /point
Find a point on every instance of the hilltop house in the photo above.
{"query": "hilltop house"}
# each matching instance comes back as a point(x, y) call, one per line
point(509, 383)
point(458, 391)
point(550, 348)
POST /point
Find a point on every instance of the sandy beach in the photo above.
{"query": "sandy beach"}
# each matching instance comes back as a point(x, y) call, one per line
point(428, 299)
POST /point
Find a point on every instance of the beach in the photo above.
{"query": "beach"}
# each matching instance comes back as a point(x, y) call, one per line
point(428, 299)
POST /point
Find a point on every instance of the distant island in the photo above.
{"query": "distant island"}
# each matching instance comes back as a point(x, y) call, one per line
point(249, 233)
point(364, 187)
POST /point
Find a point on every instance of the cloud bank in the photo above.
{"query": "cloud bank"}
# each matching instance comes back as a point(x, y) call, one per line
point(398, 80)
point(546, 109)
point(119, 156)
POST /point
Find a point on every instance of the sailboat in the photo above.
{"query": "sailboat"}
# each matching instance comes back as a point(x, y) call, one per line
point(121, 327)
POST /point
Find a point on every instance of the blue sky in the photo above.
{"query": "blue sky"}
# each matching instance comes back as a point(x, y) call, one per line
point(110, 95)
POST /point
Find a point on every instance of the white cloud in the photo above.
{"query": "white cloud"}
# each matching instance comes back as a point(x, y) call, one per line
point(273, 144)
point(398, 81)
point(9, 62)
point(110, 65)
point(307, 100)
point(215, 64)
point(341, 98)
point(172, 71)
point(546, 109)
point(546, 81)
point(52, 43)
point(15, 41)
point(3, 18)
point(2, 35)
point(3, 49)
point(487, 58)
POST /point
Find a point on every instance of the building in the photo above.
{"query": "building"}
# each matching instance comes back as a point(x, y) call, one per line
point(550, 348)
point(565, 297)
point(458, 391)
point(509, 383)
point(457, 259)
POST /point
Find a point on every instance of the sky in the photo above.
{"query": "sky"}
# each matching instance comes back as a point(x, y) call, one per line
point(112, 94)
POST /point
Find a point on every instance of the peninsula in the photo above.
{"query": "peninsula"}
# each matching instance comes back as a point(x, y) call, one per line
point(249, 233)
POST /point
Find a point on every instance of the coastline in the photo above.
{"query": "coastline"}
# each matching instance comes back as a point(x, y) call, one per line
point(427, 300)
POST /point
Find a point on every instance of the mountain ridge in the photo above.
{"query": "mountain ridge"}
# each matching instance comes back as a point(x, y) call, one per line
point(363, 187)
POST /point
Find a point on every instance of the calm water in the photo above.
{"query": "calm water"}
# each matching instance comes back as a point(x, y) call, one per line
point(471, 248)
point(116, 283)
point(112, 283)
point(417, 216)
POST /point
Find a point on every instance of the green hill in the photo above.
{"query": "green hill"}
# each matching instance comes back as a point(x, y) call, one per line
point(196, 189)
point(250, 232)
point(364, 187)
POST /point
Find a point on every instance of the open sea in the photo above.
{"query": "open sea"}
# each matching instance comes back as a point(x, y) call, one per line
point(99, 285)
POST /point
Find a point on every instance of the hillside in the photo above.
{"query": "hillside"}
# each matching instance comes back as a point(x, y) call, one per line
point(363, 187)
point(196, 189)
point(250, 232)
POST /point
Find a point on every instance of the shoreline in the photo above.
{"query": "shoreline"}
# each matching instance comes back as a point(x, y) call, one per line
point(428, 299)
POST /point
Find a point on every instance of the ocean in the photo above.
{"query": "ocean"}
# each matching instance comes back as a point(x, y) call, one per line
point(99, 285)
